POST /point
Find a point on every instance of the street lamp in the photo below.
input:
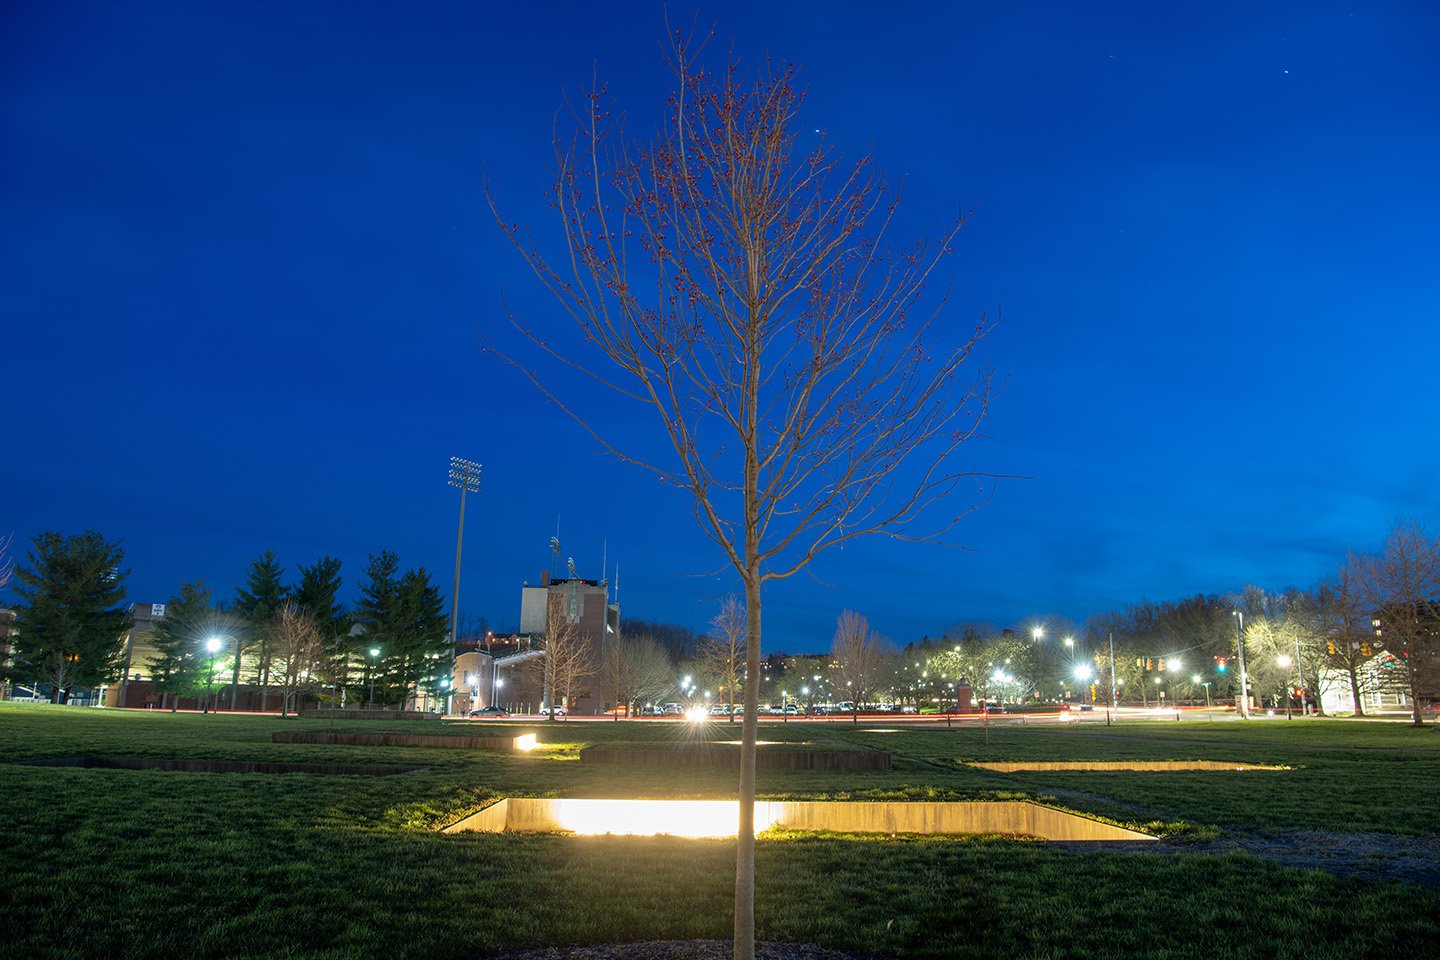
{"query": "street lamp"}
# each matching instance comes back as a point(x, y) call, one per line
point(1240, 655)
point(213, 646)
point(464, 474)
point(1283, 662)
point(1037, 633)
point(374, 658)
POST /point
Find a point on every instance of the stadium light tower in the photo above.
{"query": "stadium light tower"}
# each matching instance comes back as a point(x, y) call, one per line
point(464, 474)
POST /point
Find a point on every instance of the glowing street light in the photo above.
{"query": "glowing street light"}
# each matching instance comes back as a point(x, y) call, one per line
point(1283, 662)
point(1037, 633)
point(374, 658)
point(212, 645)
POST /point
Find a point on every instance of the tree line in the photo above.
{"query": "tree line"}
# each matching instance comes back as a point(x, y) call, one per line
point(289, 637)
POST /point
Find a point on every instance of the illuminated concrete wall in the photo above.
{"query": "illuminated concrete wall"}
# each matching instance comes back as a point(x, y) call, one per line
point(719, 818)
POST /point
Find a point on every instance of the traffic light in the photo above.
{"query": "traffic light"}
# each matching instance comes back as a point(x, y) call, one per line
point(1365, 649)
point(1221, 665)
point(1330, 647)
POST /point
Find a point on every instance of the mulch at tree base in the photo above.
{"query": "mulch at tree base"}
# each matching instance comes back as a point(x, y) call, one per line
point(681, 950)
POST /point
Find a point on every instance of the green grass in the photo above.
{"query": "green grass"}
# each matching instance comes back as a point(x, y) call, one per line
point(147, 863)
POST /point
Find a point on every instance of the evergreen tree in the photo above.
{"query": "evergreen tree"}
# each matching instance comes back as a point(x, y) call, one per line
point(421, 648)
point(258, 602)
point(71, 623)
point(179, 637)
point(316, 593)
point(376, 613)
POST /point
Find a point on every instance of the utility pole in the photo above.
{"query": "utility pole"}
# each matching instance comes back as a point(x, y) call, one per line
point(1240, 655)
point(464, 474)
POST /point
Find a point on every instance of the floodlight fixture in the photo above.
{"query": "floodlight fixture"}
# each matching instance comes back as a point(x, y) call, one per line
point(465, 474)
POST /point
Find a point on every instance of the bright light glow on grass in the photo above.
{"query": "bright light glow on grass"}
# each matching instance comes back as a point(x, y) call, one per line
point(676, 818)
point(887, 730)
point(526, 741)
point(697, 714)
point(758, 743)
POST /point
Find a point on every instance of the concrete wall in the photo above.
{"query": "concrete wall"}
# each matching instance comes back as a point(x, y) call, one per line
point(710, 818)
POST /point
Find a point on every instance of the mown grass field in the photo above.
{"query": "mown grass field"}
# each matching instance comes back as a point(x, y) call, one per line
point(149, 863)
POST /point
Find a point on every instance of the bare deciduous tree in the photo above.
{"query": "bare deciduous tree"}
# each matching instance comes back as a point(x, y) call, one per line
point(568, 660)
point(7, 563)
point(637, 670)
point(1402, 586)
point(721, 657)
point(297, 650)
point(859, 659)
point(1336, 637)
point(739, 282)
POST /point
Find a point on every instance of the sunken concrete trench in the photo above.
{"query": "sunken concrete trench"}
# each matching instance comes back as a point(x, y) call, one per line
point(720, 818)
point(523, 742)
point(727, 756)
point(1141, 766)
point(224, 766)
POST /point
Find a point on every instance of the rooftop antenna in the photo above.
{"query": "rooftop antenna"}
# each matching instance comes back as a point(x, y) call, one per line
point(605, 567)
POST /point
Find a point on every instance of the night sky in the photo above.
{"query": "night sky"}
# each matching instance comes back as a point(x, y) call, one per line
point(245, 257)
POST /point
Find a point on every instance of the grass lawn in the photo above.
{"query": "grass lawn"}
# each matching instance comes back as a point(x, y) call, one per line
point(148, 863)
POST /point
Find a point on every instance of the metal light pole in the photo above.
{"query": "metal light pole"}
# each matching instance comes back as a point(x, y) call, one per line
point(1240, 655)
point(374, 664)
point(1300, 672)
point(464, 474)
point(213, 647)
point(1113, 705)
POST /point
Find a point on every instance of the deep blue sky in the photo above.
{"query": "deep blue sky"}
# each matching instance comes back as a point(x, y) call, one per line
point(244, 255)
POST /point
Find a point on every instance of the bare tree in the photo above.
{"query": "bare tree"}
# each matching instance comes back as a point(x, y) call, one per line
point(636, 670)
point(740, 283)
point(1402, 586)
point(574, 666)
point(7, 563)
point(1337, 637)
point(859, 659)
point(568, 660)
point(297, 650)
point(722, 654)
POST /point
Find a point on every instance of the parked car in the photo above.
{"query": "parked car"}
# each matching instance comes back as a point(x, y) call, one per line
point(793, 710)
point(490, 712)
point(720, 710)
point(559, 711)
point(672, 710)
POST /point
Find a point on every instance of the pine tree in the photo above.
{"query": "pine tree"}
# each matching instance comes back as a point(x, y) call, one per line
point(72, 619)
point(315, 593)
point(376, 612)
point(421, 647)
point(258, 601)
point(179, 637)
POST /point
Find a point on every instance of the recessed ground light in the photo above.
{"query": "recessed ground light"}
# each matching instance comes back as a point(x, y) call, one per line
point(526, 741)
point(887, 730)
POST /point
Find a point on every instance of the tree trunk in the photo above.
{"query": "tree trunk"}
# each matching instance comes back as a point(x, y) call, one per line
point(1355, 691)
point(745, 842)
point(1412, 672)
